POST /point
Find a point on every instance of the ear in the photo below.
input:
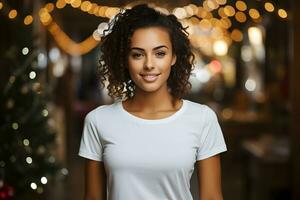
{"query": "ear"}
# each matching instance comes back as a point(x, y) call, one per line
point(174, 58)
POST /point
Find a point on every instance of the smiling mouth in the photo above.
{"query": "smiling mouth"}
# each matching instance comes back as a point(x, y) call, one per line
point(149, 77)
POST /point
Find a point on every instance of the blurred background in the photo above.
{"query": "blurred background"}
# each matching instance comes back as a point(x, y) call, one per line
point(246, 68)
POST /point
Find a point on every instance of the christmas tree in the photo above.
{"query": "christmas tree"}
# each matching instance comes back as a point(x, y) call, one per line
point(27, 162)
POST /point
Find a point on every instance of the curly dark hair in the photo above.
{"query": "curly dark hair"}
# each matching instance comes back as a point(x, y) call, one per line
point(115, 50)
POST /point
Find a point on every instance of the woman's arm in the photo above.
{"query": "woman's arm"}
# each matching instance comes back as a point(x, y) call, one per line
point(95, 180)
point(209, 176)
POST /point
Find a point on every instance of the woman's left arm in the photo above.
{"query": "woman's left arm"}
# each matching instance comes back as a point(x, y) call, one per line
point(209, 178)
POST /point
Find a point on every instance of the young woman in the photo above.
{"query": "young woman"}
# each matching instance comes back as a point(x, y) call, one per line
point(144, 146)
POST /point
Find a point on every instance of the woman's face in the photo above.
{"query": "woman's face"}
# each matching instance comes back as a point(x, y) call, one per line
point(150, 59)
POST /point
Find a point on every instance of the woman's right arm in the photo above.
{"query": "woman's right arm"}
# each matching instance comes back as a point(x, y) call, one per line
point(95, 180)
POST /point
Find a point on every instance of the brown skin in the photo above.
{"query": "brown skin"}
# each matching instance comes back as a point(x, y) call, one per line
point(209, 176)
point(95, 180)
point(152, 100)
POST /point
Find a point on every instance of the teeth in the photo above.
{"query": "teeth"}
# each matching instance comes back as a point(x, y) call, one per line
point(149, 77)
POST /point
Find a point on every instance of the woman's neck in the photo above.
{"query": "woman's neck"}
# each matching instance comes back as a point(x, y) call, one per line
point(152, 102)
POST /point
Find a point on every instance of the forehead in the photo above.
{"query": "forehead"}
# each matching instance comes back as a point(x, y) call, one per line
point(150, 37)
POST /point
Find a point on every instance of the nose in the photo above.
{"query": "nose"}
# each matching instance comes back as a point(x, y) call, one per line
point(148, 63)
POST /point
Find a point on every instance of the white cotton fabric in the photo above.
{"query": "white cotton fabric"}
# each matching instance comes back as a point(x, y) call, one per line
point(150, 159)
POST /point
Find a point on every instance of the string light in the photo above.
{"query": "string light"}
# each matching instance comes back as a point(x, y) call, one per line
point(241, 5)
point(221, 2)
point(250, 85)
point(25, 51)
point(45, 113)
point(269, 7)
point(28, 20)
point(240, 17)
point(75, 49)
point(68, 45)
point(236, 35)
point(64, 171)
point(32, 75)
point(33, 186)
point(60, 4)
point(76, 3)
point(212, 4)
point(26, 142)
point(44, 180)
point(29, 160)
point(221, 12)
point(49, 7)
point(229, 11)
point(15, 126)
point(12, 14)
point(282, 13)
point(180, 13)
point(254, 14)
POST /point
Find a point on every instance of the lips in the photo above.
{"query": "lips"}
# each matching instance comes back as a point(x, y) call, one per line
point(149, 77)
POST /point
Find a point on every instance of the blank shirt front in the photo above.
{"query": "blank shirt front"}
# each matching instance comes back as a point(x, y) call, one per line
point(150, 159)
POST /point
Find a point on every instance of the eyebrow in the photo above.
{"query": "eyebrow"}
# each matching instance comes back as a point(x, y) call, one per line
point(155, 48)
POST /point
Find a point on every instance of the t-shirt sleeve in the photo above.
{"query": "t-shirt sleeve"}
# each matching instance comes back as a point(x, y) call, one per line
point(90, 144)
point(213, 142)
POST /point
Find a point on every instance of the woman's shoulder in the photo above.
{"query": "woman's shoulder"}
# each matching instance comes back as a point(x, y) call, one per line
point(200, 108)
point(102, 110)
point(196, 106)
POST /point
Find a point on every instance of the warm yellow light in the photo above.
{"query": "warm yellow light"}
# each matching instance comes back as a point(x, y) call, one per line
point(180, 13)
point(221, 12)
point(215, 22)
point(241, 5)
point(92, 8)
point(49, 7)
point(194, 8)
point(236, 35)
point(1, 5)
point(202, 12)
point(45, 17)
point(86, 6)
point(220, 47)
point(240, 17)
point(194, 20)
point(221, 2)
point(254, 13)
point(229, 10)
point(68, 45)
point(12, 14)
point(102, 11)
point(282, 13)
point(189, 11)
point(60, 4)
point(209, 15)
point(28, 20)
point(96, 11)
point(205, 24)
point(269, 7)
point(110, 12)
point(205, 6)
point(212, 4)
point(76, 3)
point(255, 35)
point(217, 33)
point(226, 23)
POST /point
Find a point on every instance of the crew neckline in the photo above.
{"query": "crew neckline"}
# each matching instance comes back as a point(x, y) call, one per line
point(152, 121)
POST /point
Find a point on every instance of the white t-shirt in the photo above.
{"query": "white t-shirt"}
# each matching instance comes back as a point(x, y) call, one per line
point(149, 159)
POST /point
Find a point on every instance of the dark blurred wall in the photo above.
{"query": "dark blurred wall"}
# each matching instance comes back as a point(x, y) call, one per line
point(295, 91)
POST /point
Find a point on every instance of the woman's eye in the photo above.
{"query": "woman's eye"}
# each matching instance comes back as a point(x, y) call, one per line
point(137, 55)
point(160, 54)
